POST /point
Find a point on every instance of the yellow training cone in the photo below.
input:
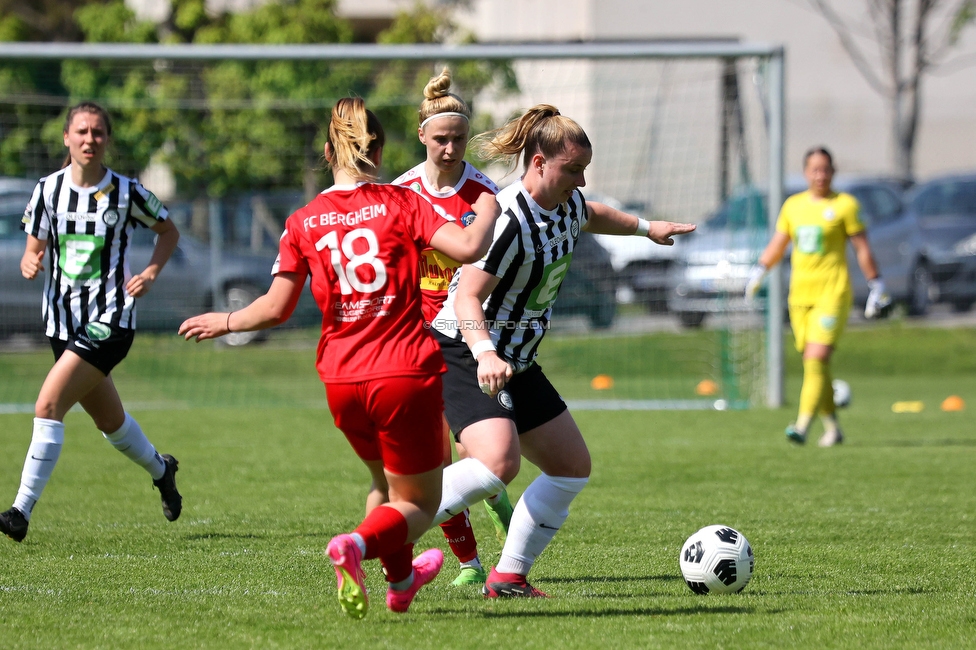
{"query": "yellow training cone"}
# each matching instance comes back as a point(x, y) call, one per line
point(907, 407)
point(953, 403)
point(601, 382)
point(706, 387)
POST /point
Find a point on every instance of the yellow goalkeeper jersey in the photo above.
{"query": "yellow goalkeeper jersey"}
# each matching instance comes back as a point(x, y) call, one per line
point(819, 229)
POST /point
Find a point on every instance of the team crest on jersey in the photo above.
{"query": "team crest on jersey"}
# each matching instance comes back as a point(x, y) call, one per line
point(467, 218)
point(574, 228)
point(98, 331)
point(110, 217)
point(829, 214)
point(415, 186)
point(505, 399)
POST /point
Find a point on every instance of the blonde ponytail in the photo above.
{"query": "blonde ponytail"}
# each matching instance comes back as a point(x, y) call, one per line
point(355, 133)
point(541, 129)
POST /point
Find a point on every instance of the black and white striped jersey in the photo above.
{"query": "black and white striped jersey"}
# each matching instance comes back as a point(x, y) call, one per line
point(530, 254)
point(88, 230)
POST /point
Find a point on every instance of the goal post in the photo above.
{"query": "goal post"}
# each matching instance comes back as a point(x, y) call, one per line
point(677, 127)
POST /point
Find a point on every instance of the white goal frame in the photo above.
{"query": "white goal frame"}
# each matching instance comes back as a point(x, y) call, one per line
point(772, 55)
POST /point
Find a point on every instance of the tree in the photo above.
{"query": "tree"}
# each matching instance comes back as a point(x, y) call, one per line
point(912, 37)
point(226, 126)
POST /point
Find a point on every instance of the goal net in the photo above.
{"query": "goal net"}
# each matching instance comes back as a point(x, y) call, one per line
point(230, 138)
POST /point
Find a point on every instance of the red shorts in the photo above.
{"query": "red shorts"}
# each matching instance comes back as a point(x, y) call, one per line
point(394, 419)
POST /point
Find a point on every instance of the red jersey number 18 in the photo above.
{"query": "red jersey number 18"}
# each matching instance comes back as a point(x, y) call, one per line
point(348, 280)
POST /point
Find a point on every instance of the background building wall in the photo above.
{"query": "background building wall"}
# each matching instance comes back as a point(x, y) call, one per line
point(828, 101)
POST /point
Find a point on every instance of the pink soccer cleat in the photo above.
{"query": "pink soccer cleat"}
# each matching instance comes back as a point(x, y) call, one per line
point(509, 585)
point(426, 566)
point(347, 560)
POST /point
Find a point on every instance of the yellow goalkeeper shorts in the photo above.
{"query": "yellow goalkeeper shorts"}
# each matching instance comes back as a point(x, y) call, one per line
point(821, 324)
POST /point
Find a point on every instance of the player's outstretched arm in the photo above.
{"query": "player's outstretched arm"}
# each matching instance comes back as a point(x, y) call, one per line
point(469, 244)
point(273, 308)
point(605, 220)
point(139, 284)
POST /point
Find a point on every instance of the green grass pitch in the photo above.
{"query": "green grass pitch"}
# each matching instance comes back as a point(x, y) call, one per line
point(869, 545)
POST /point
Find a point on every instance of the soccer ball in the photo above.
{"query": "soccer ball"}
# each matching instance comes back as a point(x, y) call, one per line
point(716, 559)
point(842, 393)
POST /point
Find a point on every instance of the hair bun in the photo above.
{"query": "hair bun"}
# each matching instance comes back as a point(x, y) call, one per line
point(438, 86)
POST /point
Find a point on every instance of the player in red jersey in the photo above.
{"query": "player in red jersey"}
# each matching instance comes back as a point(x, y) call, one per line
point(360, 241)
point(452, 186)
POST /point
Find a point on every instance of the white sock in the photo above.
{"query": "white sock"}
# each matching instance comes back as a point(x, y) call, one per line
point(360, 543)
point(473, 563)
point(466, 482)
point(42, 456)
point(135, 446)
point(404, 584)
point(538, 515)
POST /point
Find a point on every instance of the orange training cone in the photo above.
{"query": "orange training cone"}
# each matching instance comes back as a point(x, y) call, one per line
point(601, 382)
point(706, 387)
point(953, 403)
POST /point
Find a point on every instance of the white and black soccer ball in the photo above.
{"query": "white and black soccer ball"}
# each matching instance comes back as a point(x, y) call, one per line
point(842, 393)
point(717, 559)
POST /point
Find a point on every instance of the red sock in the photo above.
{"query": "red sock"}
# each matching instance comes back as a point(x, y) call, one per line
point(384, 530)
point(460, 537)
point(399, 564)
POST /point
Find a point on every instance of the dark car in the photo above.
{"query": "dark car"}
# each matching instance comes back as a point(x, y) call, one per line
point(589, 288)
point(714, 261)
point(186, 287)
point(945, 209)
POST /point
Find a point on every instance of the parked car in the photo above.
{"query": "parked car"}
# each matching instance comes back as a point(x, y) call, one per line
point(714, 261)
point(183, 289)
point(945, 209)
point(641, 265)
point(589, 288)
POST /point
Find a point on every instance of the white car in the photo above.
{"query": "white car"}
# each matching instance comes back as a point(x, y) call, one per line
point(641, 265)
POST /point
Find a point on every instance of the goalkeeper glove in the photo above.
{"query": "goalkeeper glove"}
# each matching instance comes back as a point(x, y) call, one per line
point(754, 281)
point(878, 299)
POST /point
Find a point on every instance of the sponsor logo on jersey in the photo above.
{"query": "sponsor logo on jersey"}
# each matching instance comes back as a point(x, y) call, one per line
point(574, 227)
point(505, 399)
point(28, 214)
point(110, 217)
point(104, 192)
point(556, 241)
point(98, 331)
point(467, 218)
point(80, 216)
point(436, 270)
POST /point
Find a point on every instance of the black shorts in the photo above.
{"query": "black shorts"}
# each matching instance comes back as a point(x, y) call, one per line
point(102, 345)
point(528, 399)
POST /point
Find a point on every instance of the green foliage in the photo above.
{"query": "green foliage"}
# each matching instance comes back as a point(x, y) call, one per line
point(113, 22)
point(965, 15)
point(227, 126)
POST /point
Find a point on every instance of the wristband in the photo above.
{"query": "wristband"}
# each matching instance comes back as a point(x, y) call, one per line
point(228, 322)
point(643, 227)
point(482, 346)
